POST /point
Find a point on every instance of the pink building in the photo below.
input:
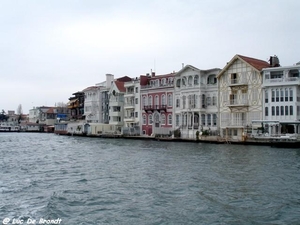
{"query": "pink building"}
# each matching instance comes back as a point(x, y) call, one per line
point(157, 104)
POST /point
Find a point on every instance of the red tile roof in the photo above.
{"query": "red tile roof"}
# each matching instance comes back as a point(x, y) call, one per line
point(120, 86)
point(256, 63)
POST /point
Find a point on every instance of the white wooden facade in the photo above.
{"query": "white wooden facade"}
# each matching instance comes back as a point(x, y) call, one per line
point(195, 101)
point(240, 95)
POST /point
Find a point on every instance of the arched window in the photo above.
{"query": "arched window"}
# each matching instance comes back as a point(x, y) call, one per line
point(177, 103)
point(144, 119)
point(282, 110)
point(273, 110)
point(150, 102)
point(266, 96)
point(150, 121)
point(277, 110)
point(286, 95)
point(170, 100)
point(291, 94)
point(156, 100)
point(190, 80)
point(156, 118)
point(144, 101)
point(178, 82)
point(266, 111)
point(196, 79)
point(163, 99)
point(286, 110)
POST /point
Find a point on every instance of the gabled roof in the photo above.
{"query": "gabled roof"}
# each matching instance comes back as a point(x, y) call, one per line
point(120, 86)
point(187, 67)
point(90, 88)
point(124, 79)
point(257, 64)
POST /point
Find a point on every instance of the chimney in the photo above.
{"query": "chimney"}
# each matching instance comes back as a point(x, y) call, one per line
point(274, 61)
point(152, 74)
point(182, 65)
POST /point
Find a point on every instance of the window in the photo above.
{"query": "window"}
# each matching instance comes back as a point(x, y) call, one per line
point(144, 100)
point(150, 121)
point(277, 95)
point(136, 114)
point(136, 101)
point(163, 119)
point(190, 80)
point(282, 110)
point(214, 119)
point(177, 120)
point(286, 95)
point(273, 95)
point(281, 95)
point(233, 78)
point(170, 119)
point(178, 83)
point(144, 119)
point(214, 100)
point(286, 110)
point(177, 103)
point(196, 80)
point(277, 110)
point(235, 132)
point(209, 119)
point(136, 90)
point(266, 96)
point(184, 101)
point(203, 119)
point(208, 101)
point(266, 111)
point(150, 102)
point(291, 94)
point(170, 101)
point(163, 99)
point(156, 100)
point(273, 110)
point(291, 110)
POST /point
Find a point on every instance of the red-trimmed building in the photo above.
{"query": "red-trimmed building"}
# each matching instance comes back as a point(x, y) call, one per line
point(157, 103)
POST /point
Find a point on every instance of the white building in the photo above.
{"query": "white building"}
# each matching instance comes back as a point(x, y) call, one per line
point(132, 113)
point(195, 96)
point(281, 100)
point(92, 109)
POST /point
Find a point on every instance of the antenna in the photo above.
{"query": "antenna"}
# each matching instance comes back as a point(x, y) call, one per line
point(154, 66)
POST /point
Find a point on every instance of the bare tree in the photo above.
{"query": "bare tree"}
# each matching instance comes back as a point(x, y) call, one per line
point(19, 113)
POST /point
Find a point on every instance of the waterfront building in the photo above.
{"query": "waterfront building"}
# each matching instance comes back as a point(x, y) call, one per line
point(116, 102)
point(43, 114)
point(240, 95)
point(92, 109)
point(196, 97)
point(76, 106)
point(281, 100)
point(104, 100)
point(132, 107)
point(157, 103)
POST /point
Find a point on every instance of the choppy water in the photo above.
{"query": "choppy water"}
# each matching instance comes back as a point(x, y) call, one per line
point(114, 181)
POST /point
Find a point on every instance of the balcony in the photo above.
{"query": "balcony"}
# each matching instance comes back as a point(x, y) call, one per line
point(157, 86)
point(282, 81)
point(234, 123)
point(129, 119)
point(129, 105)
point(152, 108)
point(238, 82)
point(238, 102)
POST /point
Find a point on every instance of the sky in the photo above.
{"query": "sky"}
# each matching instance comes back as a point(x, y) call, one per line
point(52, 49)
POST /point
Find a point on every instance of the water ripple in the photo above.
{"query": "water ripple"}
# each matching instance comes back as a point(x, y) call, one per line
point(115, 181)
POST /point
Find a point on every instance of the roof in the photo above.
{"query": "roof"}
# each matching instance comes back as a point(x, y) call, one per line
point(90, 88)
point(51, 110)
point(120, 86)
point(257, 64)
point(186, 67)
point(124, 79)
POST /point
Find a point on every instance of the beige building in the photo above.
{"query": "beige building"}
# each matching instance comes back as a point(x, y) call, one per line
point(240, 96)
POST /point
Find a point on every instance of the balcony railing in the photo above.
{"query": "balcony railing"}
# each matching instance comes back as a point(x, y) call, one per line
point(155, 107)
point(236, 102)
point(282, 80)
point(157, 85)
point(235, 82)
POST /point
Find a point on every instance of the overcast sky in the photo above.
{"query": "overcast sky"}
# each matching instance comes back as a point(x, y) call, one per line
point(51, 49)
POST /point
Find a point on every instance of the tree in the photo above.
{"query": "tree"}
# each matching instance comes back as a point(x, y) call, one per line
point(19, 113)
point(3, 116)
